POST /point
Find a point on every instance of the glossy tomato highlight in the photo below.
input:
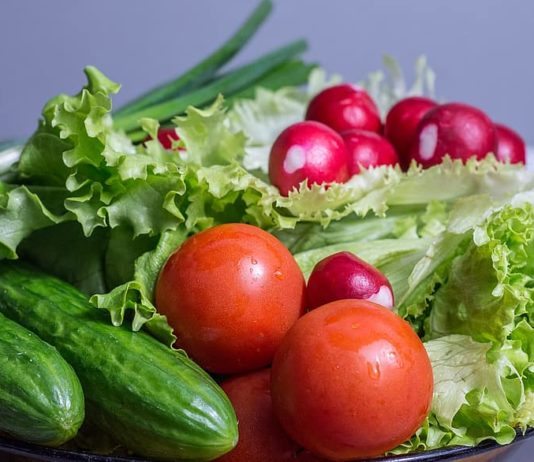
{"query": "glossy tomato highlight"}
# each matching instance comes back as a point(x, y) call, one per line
point(231, 293)
point(351, 380)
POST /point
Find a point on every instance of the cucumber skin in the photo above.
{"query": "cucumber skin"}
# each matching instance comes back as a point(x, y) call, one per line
point(151, 399)
point(41, 399)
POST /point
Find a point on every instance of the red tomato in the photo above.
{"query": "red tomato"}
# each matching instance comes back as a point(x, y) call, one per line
point(231, 293)
point(261, 439)
point(351, 380)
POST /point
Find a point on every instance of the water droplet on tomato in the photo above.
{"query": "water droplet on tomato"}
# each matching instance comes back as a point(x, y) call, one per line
point(374, 370)
point(278, 275)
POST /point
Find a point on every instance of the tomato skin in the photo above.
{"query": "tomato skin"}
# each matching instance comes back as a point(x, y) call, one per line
point(261, 439)
point(351, 380)
point(231, 293)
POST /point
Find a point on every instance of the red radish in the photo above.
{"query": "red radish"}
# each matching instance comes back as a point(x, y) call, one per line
point(343, 107)
point(401, 124)
point(456, 129)
point(510, 146)
point(166, 137)
point(307, 151)
point(343, 275)
point(368, 149)
point(261, 438)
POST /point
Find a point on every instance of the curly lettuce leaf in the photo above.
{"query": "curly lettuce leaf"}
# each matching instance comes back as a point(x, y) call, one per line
point(478, 395)
point(22, 213)
point(386, 88)
point(489, 286)
point(137, 294)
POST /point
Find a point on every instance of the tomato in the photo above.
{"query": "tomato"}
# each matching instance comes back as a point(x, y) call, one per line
point(231, 293)
point(351, 380)
point(261, 439)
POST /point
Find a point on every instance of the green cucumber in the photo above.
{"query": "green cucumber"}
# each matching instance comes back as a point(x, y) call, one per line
point(151, 399)
point(41, 399)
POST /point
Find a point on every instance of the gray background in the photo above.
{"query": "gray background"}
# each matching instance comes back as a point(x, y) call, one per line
point(481, 50)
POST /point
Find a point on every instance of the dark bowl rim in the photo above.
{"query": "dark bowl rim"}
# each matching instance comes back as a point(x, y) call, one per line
point(18, 448)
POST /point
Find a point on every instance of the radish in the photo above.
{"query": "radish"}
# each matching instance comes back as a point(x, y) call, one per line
point(401, 124)
point(344, 275)
point(367, 149)
point(343, 107)
point(510, 146)
point(166, 136)
point(456, 129)
point(307, 151)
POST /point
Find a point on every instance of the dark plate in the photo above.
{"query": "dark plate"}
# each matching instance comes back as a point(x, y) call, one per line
point(15, 451)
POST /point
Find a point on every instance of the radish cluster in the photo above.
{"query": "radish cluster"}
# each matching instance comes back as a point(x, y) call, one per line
point(343, 133)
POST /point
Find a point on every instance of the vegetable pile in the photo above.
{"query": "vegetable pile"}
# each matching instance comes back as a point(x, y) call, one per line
point(374, 248)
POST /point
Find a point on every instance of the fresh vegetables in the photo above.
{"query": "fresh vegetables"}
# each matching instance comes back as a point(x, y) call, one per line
point(510, 146)
point(231, 293)
point(453, 241)
point(343, 107)
point(351, 380)
point(41, 399)
point(307, 152)
point(459, 130)
point(167, 137)
point(261, 439)
point(401, 124)
point(344, 275)
point(133, 384)
point(367, 149)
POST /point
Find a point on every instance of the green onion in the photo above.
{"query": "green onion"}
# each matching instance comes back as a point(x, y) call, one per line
point(229, 83)
point(291, 73)
point(204, 70)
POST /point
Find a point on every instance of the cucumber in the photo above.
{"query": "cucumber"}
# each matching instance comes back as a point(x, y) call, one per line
point(151, 399)
point(41, 399)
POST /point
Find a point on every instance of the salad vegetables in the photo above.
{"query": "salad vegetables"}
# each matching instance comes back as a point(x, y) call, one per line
point(510, 146)
point(307, 152)
point(343, 275)
point(443, 131)
point(231, 293)
point(377, 376)
point(220, 238)
point(401, 124)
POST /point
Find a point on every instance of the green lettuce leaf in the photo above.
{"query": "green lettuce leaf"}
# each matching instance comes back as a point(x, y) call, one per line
point(489, 286)
point(473, 397)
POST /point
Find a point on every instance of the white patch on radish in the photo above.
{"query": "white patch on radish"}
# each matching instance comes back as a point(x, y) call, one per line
point(383, 297)
point(295, 159)
point(428, 140)
point(505, 153)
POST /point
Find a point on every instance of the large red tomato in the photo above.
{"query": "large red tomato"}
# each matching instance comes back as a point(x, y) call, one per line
point(231, 293)
point(351, 380)
point(261, 439)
